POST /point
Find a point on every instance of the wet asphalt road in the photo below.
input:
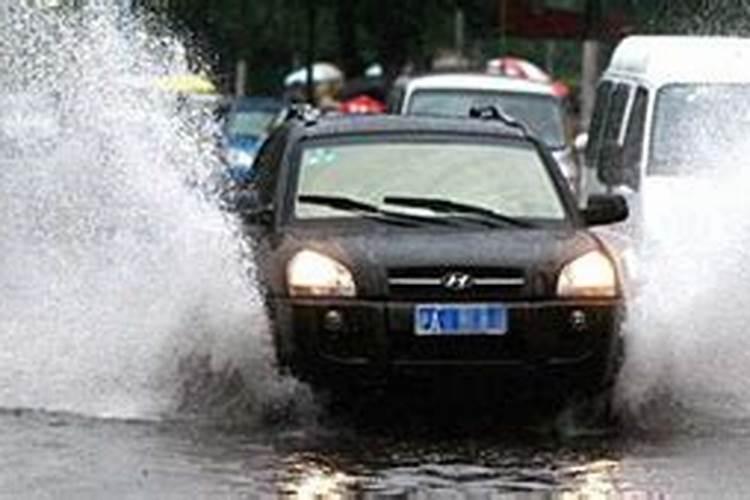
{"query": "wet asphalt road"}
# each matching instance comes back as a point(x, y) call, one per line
point(64, 456)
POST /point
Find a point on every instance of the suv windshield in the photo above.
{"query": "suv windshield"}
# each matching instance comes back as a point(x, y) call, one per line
point(492, 179)
point(541, 113)
point(699, 126)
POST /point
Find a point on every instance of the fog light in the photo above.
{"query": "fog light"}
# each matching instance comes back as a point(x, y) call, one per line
point(333, 321)
point(578, 321)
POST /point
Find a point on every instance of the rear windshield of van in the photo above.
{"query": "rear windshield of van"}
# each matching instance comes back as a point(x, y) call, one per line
point(698, 127)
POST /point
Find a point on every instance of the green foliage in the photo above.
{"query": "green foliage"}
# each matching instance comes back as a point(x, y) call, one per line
point(265, 33)
point(696, 17)
point(272, 35)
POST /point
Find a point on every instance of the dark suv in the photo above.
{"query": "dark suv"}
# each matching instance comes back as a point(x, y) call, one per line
point(402, 245)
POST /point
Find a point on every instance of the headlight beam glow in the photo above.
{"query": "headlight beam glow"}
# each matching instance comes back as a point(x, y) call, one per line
point(312, 274)
point(591, 275)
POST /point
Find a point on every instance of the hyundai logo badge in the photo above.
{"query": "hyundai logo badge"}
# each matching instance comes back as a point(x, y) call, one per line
point(457, 281)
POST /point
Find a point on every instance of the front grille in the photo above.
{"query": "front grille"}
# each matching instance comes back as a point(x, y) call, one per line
point(456, 283)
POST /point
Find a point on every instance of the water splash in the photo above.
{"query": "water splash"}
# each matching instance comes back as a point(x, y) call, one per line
point(116, 265)
point(688, 335)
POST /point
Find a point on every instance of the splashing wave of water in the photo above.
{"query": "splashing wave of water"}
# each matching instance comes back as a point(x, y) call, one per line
point(689, 341)
point(116, 267)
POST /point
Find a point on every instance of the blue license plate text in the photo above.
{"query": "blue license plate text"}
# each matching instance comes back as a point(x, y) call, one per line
point(460, 319)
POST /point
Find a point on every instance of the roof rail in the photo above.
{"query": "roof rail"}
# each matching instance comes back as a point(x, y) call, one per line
point(495, 113)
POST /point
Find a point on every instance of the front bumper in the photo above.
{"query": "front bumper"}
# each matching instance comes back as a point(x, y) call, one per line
point(573, 340)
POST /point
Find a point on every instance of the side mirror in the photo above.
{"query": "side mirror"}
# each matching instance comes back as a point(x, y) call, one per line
point(604, 209)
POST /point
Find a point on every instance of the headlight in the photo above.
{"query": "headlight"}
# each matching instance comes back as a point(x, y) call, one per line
point(311, 274)
point(240, 158)
point(591, 275)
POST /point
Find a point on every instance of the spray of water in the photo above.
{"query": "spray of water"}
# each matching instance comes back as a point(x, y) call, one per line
point(124, 290)
point(688, 335)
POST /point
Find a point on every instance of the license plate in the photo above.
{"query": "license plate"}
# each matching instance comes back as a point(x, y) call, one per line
point(460, 319)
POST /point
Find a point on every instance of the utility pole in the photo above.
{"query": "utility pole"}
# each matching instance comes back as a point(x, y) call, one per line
point(312, 21)
point(590, 59)
point(504, 25)
point(240, 80)
point(459, 31)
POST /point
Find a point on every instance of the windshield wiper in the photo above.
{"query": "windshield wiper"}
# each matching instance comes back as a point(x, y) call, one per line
point(453, 207)
point(366, 209)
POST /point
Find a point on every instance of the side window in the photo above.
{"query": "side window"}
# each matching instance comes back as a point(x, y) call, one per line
point(613, 123)
point(603, 93)
point(632, 150)
point(608, 158)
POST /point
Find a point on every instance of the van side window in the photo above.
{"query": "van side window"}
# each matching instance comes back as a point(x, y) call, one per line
point(597, 123)
point(616, 113)
point(633, 146)
point(609, 157)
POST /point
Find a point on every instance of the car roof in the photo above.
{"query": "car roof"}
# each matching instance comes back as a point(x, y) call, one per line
point(341, 125)
point(478, 81)
point(660, 60)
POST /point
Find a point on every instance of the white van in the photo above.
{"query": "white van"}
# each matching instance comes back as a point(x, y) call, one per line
point(668, 107)
point(532, 103)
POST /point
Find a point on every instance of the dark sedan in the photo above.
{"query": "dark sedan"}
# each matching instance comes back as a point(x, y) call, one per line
point(392, 246)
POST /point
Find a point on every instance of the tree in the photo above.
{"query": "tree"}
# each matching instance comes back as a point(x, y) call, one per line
point(271, 35)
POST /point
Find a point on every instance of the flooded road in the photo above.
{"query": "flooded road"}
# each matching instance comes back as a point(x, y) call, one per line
point(64, 456)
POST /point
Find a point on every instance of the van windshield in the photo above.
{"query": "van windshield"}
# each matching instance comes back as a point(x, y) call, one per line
point(699, 127)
